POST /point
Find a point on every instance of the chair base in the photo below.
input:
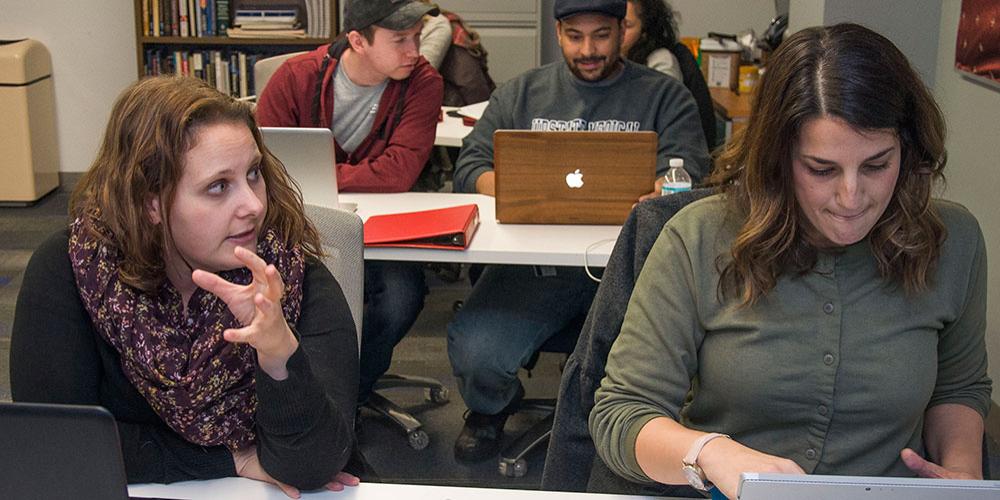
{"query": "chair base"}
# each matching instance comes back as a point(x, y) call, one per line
point(512, 461)
point(435, 392)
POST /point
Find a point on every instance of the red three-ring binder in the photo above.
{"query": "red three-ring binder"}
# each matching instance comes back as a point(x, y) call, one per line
point(444, 228)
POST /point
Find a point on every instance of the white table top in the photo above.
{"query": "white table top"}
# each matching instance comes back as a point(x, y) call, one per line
point(451, 131)
point(493, 243)
point(246, 489)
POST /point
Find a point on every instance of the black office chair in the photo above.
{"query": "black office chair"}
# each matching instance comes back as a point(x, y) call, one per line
point(513, 462)
point(434, 392)
point(571, 452)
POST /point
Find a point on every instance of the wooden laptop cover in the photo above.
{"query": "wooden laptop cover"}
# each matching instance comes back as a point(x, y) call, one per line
point(448, 228)
point(571, 177)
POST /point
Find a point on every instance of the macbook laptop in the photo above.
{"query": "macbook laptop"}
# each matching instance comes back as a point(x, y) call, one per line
point(545, 177)
point(309, 156)
point(59, 451)
point(754, 486)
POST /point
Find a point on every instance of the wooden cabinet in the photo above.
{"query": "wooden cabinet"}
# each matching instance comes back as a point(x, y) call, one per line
point(212, 58)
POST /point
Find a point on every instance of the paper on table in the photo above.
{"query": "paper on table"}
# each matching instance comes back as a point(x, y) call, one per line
point(474, 110)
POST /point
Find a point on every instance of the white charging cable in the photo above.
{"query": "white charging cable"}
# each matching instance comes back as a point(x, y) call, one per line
point(586, 256)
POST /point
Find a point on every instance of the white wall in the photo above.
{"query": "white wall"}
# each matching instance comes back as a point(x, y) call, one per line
point(698, 17)
point(971, 111)
point(803, 14)
point(93, 58)
point(913, 25)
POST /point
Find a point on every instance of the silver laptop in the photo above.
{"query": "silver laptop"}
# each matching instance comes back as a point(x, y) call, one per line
point(755, 486)
point(59, 451)
point(309, 156)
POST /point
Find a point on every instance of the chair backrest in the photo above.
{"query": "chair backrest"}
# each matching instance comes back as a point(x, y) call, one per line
point(695, 83)
point(571, 450)
point(264, 68)
point(341, 233)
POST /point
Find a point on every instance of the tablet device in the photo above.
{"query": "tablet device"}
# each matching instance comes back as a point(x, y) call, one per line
point(758, 486)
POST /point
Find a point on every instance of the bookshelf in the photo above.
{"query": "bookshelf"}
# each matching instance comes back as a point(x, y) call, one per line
point(167, 52)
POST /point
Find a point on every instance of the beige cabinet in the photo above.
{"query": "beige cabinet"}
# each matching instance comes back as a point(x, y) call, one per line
point(511, 32)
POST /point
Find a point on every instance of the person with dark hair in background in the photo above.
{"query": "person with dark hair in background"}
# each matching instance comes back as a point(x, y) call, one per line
point(512, 310)
point(187, 298)
point(382, 99)
point(823, 313)
point(650, 32)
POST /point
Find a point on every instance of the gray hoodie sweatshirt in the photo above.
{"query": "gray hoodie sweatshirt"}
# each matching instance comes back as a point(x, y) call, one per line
point(552, 98)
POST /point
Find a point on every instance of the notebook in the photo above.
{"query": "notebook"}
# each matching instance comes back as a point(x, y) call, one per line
point(59, 451)
point(547, 177)
point(309, 156)
point(754, 486)
point(448, 228)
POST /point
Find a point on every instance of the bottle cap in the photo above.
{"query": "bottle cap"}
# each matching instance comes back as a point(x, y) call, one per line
point(676, 162)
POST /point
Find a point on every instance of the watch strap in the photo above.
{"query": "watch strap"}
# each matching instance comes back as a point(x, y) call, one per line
point(692, 455)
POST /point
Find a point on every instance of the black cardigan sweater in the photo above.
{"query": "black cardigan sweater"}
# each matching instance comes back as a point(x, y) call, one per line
point(304, 423)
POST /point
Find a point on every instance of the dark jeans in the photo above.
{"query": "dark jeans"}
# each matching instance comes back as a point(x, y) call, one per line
point(394, 297)
point(511, 311)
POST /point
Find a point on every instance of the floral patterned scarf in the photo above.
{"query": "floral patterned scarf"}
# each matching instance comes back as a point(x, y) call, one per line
point(201, 385)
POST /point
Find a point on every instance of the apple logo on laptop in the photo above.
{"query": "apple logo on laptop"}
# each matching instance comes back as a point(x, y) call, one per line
point(574, 179)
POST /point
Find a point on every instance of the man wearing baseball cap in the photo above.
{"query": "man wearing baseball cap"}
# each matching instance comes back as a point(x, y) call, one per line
point(382, 100)
point(512, 310)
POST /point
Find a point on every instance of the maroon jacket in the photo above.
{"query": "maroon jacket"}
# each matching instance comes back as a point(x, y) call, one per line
point(391, 157)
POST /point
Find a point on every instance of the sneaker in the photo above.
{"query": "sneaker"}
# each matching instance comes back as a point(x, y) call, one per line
point(480, 437)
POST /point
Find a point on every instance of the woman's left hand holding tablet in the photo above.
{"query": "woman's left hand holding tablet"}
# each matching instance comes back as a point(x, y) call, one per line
point(257, 307)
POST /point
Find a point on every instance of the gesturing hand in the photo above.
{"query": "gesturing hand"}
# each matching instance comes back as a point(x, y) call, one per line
point(723, 460)
point(257, 307)
point(925, 468)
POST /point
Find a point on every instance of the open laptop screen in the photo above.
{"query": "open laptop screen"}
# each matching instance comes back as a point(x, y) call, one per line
point(309, 156)
point(59, 451)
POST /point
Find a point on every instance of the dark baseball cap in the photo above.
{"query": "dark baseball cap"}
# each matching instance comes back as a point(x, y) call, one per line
point(614, 8)
point(396, 15)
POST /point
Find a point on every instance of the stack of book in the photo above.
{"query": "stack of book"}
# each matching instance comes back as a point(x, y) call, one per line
point(185, 18)
point(266, 23)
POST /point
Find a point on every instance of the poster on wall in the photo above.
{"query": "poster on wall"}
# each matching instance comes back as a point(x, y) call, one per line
point(977, 50)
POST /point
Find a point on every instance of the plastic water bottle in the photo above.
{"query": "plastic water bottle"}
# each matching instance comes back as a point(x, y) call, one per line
point(677, 179)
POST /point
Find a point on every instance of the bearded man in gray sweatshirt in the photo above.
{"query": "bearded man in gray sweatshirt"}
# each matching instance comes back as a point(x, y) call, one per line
point(513, 310)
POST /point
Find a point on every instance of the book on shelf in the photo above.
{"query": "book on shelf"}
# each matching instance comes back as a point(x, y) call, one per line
point(250, 16)
point(222, 16)
point(183, 19)
point(208, 18)
point(239, 32)
point(230, 71)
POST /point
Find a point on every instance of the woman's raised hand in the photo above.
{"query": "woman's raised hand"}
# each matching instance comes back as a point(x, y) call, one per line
point(257, 307)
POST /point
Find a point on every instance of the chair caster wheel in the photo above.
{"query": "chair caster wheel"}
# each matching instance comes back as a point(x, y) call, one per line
point(437, 395)
point(513, 468)
point(418, 439)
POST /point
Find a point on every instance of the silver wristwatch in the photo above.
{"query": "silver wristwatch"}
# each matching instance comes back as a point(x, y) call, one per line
point(695, 476)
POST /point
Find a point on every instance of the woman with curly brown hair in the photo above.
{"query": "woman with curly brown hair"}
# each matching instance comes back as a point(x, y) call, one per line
point(186, 297)
point(823, 313)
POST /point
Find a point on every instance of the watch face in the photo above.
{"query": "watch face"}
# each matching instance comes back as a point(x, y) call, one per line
point(694, 477)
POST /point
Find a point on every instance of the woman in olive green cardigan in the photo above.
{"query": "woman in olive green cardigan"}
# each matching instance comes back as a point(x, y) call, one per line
point(823, 313)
